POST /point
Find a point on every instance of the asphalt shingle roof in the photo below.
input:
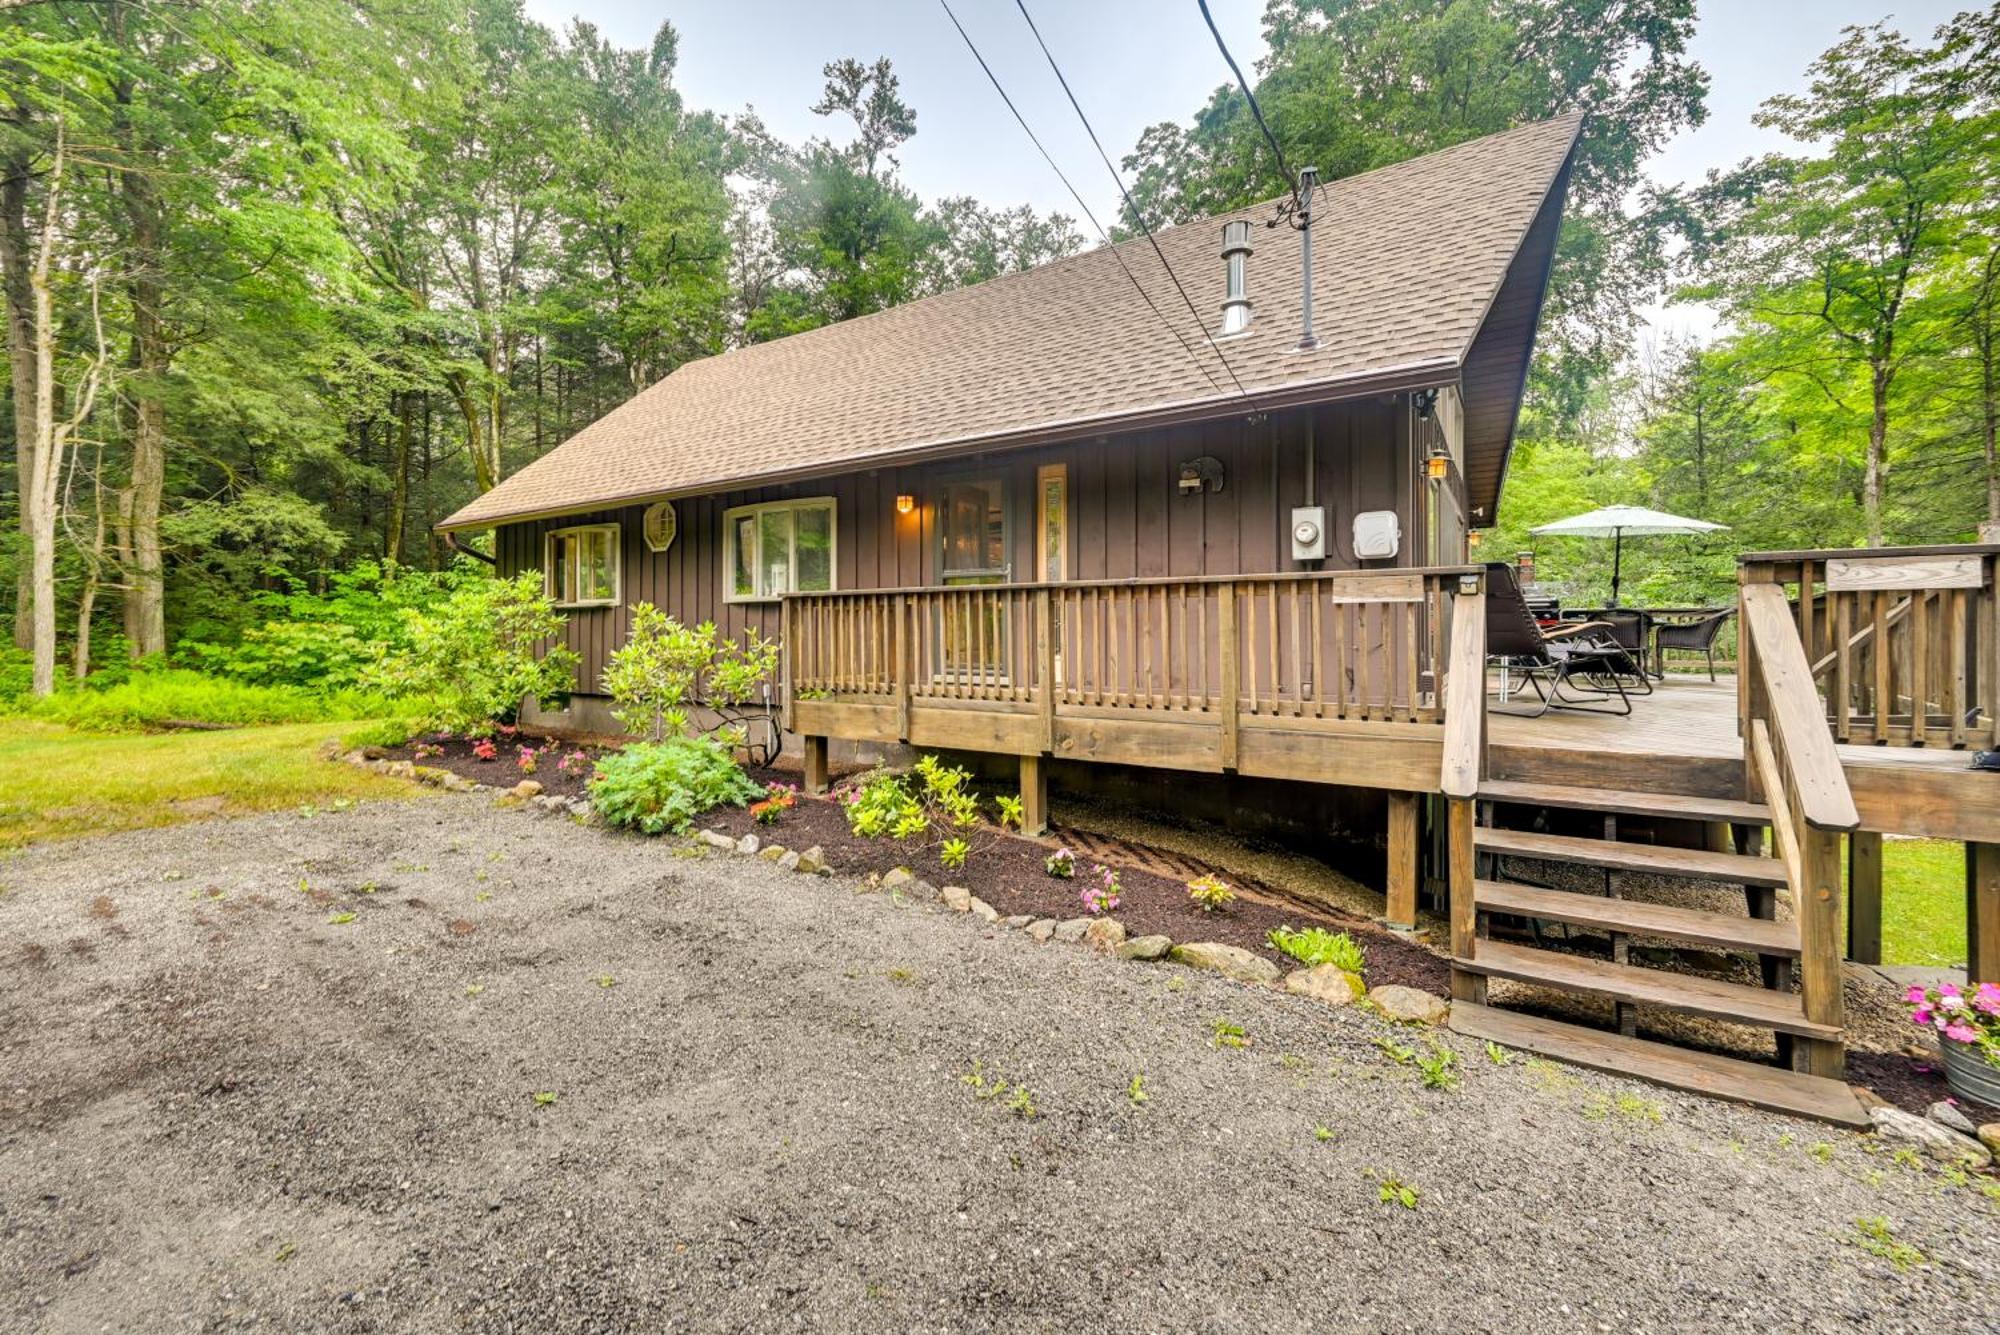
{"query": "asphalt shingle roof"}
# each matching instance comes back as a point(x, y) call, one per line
point(1407, 261)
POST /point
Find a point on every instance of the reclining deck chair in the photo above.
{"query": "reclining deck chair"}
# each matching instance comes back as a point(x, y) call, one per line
point(1550, 660)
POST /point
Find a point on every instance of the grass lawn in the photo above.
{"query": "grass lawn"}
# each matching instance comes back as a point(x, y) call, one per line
point(61, 783)
point(1923, 902)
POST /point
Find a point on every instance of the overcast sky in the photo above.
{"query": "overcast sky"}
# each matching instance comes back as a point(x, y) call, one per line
point(1132, 64)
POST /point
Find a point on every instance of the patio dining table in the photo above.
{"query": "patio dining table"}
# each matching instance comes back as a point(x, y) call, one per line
point(1650, 620)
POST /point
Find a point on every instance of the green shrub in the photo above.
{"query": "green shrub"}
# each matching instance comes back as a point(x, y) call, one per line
point(177, 695)
point(660, 787)
point(883, 804)
point(471, 659)
point(663, 666)
point(389, 732)
point(1316, 945)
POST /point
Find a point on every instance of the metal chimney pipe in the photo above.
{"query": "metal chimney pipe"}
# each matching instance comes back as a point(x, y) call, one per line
point(1235, 261)
point(1308, 183)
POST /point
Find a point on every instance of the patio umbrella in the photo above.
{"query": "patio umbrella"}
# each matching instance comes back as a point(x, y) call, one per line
point(1615, 521)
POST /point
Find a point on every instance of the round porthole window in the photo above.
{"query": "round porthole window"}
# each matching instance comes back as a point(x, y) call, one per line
point(660, 525)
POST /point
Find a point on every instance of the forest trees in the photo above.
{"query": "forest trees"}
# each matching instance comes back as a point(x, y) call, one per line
point(340, 298)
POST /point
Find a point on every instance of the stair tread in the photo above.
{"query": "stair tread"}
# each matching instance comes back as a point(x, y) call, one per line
point(1699, 863)
point(1638, 918)
point(1764, 1007)
point(1748, 1082)
point(1625, 802)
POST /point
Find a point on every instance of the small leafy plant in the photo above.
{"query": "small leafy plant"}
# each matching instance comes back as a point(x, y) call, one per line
point(953, 853)
point(1011, 812)
point(1228, 1034)
point(1437, 1069)
point(1395, 1191)
point(1101, 895)
point(545, 1098)
point(575, 764)
point(1316, 945)
point(778, 799)
point(1136, 1091)
point(1060, 864)
point(526, 759)
point(484, 749)
point(657, 787)
point(1211, 892)
point(1496, 1054)
point(1874, 1236)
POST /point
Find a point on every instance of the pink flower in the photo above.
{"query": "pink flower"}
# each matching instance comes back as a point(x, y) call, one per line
point(1988, 1000)
point(1915, 996)
point(1949, 989)
point(1960, 1033)
point(1922, 1015)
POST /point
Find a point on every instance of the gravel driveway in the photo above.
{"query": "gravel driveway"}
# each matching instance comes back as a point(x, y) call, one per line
point(767, 1101)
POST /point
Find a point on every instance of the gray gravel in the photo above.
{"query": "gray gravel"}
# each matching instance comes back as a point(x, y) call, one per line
point(220, 1109)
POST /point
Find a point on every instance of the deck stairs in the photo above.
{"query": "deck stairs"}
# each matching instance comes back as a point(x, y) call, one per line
point(1528, 932)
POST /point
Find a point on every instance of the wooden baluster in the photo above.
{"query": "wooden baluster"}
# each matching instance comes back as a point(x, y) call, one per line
point(1314, 598)
point(1406, 628)
point(1839, 688)
point(1957, 627)
point(1336, 689)
point(1920, 667)
point(1298, 652)
point(1225, 622)
point(1271, 623)
point(1878, 646)
point(1364, 664)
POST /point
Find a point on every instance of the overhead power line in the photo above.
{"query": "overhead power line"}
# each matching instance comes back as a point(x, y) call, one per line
point(1131, 206)
point(1256, 112)
point(1137, 286)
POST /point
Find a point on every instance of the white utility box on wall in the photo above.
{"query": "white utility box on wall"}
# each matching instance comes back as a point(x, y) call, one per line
point(1378, 535)
point(1309, 533)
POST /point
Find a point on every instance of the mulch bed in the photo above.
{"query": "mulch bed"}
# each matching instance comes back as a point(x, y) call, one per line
point(1912, 1084)
point(504, 770)
point(1007, 872)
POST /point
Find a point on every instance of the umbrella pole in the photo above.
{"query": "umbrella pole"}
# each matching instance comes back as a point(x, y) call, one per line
point(1617, 560)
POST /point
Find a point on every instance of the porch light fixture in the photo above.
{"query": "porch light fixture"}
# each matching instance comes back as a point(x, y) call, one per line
point(1472, 538)
point(905, 504)
point(1438, 467)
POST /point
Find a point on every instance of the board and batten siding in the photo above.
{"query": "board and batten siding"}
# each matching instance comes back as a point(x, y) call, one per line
point(1127, 517)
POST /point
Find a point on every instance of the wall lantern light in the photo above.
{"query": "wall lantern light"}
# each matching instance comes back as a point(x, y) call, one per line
point(1472, 538)
point(1438, 466)
point(905, 504)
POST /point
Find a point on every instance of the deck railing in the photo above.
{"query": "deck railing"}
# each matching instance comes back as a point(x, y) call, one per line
point(1901, 643)
point(1315, 651)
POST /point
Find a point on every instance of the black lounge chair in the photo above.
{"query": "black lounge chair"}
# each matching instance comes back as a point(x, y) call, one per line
point(1549, 660)
point(1696, 637)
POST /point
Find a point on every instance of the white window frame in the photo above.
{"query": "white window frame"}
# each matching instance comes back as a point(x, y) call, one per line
point(613, 536)
point(730, 523)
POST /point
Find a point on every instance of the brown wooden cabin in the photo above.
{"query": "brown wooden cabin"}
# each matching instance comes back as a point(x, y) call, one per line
point(1063, 516)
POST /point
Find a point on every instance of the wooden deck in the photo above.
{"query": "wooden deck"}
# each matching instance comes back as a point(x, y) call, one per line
point(1683, 739)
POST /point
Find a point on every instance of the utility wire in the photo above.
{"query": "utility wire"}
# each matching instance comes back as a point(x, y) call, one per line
point(1291, 181)
point(992, 78)
point(1131, 206)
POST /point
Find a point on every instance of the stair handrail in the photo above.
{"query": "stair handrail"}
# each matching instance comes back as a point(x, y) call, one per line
point(1465, 691)
point(1782, 697)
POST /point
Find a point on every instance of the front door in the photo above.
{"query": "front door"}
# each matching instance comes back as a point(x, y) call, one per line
point(972, 533)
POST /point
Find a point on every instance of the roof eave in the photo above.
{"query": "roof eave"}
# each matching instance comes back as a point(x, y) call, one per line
point(1386, 380)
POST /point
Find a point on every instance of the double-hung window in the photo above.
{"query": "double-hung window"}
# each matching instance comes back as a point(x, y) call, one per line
point(778, 548)
point(580, 566)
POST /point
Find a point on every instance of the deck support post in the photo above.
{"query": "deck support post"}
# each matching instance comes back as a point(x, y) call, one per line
point(815, 765)
point(1864, 897)
point(1819, 952)
point(1465, 986)
point(1034, 795)
point(1982, 912)
point(1401, 907)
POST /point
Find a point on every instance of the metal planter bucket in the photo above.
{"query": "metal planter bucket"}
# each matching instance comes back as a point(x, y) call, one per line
point(1969, 1074)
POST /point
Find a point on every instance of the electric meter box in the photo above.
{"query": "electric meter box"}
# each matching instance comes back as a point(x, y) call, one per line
point(1309, 533)
point(1378, 535)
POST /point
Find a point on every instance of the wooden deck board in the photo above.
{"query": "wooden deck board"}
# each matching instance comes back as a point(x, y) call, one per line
point(1765, 936)
point(1679, 1068)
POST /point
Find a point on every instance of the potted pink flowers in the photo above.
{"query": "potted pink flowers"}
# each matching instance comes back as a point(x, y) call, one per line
point(1967, 1023)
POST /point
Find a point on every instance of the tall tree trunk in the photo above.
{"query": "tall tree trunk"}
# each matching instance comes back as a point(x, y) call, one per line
point(152, 358)
point(399, 481)
point(20, 301)
point(1878, 452)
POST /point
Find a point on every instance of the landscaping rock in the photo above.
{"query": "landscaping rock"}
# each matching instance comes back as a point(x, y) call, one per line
point(525, 789)
point(1041, 929)
point(789, 861)
point(1073, 929)
point(1018, 921)
point(812, 861)
point(717, 839)
point(580, 808)
point(1230, 961)
point(1989, 1136)
point(957, 898)
point(1410, 1005)
point(1949, 1117)
point(1868, 1098)
point(1940, 1143)
point(1325, 982)
point(749, 843)
point(896, 876)
point(1104, 935)
point(1144, 948)
point(983, 911)
point(772, 852)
